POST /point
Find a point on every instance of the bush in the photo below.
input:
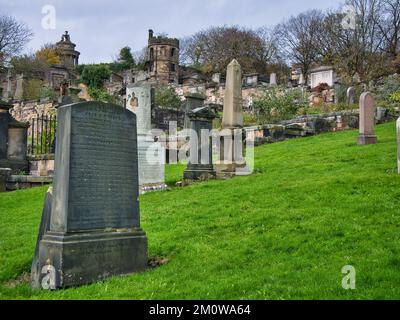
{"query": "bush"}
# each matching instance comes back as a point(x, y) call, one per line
point(277, 104)
point(95, 75)
point(167, 97)
point(101, 95)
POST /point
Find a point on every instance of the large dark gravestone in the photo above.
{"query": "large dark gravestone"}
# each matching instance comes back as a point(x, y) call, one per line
point(94, 227)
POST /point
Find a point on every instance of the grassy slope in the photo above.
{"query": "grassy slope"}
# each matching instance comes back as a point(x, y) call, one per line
point(313, 206)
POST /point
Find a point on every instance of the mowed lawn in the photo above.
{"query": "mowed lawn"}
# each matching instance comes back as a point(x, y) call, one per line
point(313, 206)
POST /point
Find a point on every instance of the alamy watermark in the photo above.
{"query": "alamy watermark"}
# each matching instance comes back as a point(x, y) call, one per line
point(49, 20)
point(349, 22)
point(349, 280)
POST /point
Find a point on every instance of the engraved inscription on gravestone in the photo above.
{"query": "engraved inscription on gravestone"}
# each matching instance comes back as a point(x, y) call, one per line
point(95, 209)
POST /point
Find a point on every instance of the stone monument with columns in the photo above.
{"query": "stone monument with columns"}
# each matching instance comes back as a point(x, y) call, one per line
point(151, 154)
point(367, 120)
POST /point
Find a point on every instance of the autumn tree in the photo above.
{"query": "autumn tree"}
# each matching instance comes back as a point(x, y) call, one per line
point(48, 54)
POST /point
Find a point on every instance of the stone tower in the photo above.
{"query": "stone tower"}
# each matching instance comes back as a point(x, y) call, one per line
point(163, 59)
point(66, 50)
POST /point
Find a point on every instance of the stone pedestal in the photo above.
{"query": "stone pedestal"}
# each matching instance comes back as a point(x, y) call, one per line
point(200, 165)
point(94, 229)
point(367, 120)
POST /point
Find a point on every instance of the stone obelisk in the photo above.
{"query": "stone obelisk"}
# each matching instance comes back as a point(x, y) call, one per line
point(151, 154)
point(231, 160)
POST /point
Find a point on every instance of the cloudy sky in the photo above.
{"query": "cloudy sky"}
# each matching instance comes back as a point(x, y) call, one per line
point(101, 27)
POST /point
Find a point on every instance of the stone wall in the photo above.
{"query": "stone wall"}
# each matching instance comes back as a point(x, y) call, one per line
point(25, 111)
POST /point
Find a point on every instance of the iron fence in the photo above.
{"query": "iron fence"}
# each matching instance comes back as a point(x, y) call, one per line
point(42, 135)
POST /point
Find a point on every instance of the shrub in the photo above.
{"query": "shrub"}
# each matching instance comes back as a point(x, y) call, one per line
point(101, 95)
point(95, 75)
point(167, 97)
point(277, 104)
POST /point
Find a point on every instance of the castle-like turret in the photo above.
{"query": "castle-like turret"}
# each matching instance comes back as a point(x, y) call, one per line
point(163, 59)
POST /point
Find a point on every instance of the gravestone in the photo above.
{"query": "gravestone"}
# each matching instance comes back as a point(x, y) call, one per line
point(200, 165)
point(398, 144)
point(151, 154)
point(231, 160)
point(272, 80)
point(94, 230)
point(351, 92)
point(43, 228)
point(193, 101)
point(367, 120)
point(13, 141)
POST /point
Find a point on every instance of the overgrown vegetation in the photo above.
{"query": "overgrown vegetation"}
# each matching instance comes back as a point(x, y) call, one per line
point(166, 96)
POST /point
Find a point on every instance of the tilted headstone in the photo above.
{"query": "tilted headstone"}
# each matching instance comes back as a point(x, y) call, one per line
point(367, 120)
point(351, 92)
point(151, 154)
point(94, 227)
point(231, 147)
point(200, 165)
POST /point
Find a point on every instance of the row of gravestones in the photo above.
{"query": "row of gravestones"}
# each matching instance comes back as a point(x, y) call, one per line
point(90, 227)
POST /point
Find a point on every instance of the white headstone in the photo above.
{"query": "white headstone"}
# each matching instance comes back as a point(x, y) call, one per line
point(151, 154)
point(272, 80)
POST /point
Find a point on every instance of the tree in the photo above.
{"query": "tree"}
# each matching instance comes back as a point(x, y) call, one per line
point(94, 75)
point(298, 39)
point(214, 48)
point(167, 97)
point(14, 36)
point(125, 60)
point(48, 54)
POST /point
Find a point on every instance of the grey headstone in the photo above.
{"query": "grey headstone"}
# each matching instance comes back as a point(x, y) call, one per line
point(43, 228)
point(200, 165)
point(94, 225)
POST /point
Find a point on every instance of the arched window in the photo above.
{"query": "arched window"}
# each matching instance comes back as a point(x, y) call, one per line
point(172, 52)
point(151, 53)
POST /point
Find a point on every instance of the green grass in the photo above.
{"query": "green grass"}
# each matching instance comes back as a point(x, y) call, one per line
point(313, 206)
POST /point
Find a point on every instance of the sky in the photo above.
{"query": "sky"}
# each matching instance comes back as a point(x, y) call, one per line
point(100, 28)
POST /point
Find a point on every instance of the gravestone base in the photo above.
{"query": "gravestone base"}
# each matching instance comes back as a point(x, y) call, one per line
point(152, 187)
point(200, 172)
point(83, 258)
point(230, 170)
point(366, 140)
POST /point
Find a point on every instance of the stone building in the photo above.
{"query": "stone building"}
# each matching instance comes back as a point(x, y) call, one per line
point(66, 50)
point(163, 59)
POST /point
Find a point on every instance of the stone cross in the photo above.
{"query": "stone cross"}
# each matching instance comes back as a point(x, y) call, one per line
point(367, 120)
point(94, 230)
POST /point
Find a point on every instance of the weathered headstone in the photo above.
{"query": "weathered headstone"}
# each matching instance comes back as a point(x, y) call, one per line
point(398, 144)
point(193, 101)
point(231, 136)
point(200, 165)
point(4, 175)
point(367, 120)
point(151, 154)
point(44, 227)
point(19, 90)
point(94, 227)
point(351, 92)
point(272, 80)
